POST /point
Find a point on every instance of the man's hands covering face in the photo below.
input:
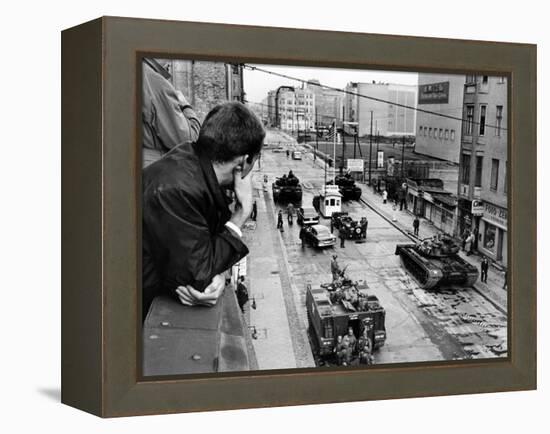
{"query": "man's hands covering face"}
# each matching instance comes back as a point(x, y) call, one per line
point(191, 297)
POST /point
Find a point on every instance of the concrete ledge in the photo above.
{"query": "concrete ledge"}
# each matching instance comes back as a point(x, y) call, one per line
point(179, 339)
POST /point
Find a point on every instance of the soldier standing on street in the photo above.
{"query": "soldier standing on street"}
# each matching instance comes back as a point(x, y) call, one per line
point(303, 236)
point(365, 349)
point(484, 269)
point(339, 350)
point(416, 225)
point(242, 293)
point(365, 224)
point(280, 221)
point(254, 211)
point(352, 340)
point(334, 268)
point(342, 238)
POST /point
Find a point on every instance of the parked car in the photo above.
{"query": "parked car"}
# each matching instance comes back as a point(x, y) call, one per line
point(296, 155)
point(319, 236)
point(307, 216)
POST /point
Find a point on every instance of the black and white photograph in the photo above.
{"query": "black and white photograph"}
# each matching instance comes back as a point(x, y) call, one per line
point(304, 217)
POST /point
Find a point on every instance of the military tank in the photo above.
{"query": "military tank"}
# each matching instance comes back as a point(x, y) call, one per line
point(287, 189)
point(347, 187)
point(434, 262)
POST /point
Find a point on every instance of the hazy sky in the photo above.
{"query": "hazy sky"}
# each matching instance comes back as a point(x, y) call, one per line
point(257, 84)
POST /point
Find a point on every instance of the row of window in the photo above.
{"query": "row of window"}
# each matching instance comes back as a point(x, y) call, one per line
point(482, 123)
point(437, 133)
point(483, 79)
point(300, 102)
point(495, 169)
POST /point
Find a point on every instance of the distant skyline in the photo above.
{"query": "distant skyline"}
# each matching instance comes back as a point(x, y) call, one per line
point(257, 84)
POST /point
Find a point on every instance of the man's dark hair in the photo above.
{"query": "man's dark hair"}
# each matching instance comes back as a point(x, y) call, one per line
point(230, 130)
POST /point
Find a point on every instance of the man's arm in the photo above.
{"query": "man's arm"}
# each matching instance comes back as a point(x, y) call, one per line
point(177, 122)
point(193, 255)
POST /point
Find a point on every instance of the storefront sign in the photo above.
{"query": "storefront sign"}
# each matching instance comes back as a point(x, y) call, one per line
point(496, 215)
point(355, 165)
point(477, 207)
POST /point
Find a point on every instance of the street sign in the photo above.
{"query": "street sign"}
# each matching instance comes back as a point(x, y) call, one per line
point(355, 165)
point(380, 160)
point(477, 207)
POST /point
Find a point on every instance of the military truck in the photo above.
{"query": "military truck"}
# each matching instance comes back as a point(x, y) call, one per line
point(333, 308)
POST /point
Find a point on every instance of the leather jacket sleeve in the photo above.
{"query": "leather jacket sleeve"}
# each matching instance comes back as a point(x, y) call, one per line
point(180, 231)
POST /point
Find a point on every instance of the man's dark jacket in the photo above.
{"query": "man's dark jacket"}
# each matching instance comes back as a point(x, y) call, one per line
point(185, 241)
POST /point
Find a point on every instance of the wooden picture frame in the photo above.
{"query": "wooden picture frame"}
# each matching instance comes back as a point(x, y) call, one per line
point(101, 218)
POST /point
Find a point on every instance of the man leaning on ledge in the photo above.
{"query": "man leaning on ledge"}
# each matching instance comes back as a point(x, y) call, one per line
point(190, 236)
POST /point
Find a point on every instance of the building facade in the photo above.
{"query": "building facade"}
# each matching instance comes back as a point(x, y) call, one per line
point(328, 104)
point(291, 109)
point(388, 118)
point(439, 136)
point(483, 173)
point(205, 84)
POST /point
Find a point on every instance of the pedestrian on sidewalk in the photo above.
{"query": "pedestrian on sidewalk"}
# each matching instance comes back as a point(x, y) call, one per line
point(254, 211)
point(393, 214)
point(484, 269)
point(468, 245)
point(242, 293)
point(342, 238)
point(403, 197)
point(280, 221)
point(464, 238)
point(416, 225)
point(385, 196)
point(287, 154)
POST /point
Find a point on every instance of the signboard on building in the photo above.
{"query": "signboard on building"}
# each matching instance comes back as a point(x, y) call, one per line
point(355, 165)
point(391, 166)
point(433, 93)
point(380, 160)
point(496, 215)
point(477, 207)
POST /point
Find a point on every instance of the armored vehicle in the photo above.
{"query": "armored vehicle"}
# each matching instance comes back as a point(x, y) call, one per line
point(347, 187)
point(352, 229)
point(333, 308)
point(287, 189)
point(435, 262)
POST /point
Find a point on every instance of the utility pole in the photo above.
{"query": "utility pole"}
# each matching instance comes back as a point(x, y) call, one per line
point(370, 148)
point(343, 139)
point(403, 158)
point(334, 151)
point(316, 137)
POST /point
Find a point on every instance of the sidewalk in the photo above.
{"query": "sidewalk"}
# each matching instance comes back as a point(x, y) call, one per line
point(404, 222)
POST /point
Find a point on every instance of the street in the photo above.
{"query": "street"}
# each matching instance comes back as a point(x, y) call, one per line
point(421, 325)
